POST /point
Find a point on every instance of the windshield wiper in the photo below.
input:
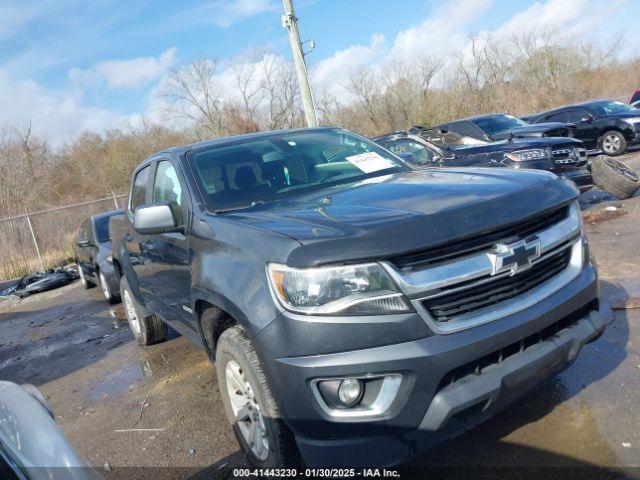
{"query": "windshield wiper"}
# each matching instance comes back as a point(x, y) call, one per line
point(239, 207)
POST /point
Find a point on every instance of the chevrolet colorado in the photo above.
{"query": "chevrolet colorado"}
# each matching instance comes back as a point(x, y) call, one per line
point(357, 311)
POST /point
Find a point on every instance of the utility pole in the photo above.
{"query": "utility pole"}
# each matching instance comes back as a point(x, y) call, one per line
point(290, 22)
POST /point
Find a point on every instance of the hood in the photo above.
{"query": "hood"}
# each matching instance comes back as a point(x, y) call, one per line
point(518, 143)
point(548, 129)
point(405, 212)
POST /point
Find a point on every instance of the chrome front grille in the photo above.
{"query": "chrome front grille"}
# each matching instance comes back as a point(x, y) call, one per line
point(570, 157)
point(449, 305)
point(459, 292)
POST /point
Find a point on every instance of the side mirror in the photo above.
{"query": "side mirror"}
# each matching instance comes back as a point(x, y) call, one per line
point(154, 218)
point(588, 119)
point(84, 243)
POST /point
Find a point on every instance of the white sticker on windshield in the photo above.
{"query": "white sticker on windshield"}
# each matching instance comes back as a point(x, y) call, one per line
point(370, 162)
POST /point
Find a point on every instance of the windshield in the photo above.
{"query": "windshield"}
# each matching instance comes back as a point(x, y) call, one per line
point(611, 108)
point(420, 154)
point(499, 123)
point(265, 169)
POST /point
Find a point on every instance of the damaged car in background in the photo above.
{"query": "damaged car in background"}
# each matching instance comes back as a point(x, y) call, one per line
point(499, 126)
point(435, 147)
point(606, 125)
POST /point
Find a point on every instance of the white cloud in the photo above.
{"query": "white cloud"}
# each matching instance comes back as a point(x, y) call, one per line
point(572, 19)
point(225, 13)
point(12, 18)
point(57, 115)
point(440, 34)
point(127, 74)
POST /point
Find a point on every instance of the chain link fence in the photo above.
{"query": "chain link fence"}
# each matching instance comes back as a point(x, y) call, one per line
point(40, 240)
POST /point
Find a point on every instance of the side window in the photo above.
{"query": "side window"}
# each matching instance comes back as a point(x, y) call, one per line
point(577, 115)
point(555, 117)
point(139, 188)
point(167, 188)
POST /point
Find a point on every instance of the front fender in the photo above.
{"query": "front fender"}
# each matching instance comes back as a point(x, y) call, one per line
point(128, 272)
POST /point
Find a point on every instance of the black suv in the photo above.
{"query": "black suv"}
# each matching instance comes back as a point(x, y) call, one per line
point(436, 148)
point(357, 310)
point(498, 126)
point(604, 124)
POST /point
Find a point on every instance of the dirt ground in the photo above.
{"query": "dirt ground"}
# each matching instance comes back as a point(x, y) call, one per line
point(126, 406)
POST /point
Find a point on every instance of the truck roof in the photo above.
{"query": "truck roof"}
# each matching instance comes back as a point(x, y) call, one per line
point(235, 138)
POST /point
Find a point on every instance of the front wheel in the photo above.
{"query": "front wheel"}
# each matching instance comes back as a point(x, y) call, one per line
point(249, 404)
point(146, 328)
point(613, 143)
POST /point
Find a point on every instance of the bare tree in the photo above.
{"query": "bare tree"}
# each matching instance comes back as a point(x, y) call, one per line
point(192, 93)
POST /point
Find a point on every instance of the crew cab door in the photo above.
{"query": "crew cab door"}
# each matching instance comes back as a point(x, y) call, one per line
point(168, 253)
point(585, 126)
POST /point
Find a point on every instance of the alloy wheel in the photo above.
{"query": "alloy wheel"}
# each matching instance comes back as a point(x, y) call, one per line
point(105, 287)
point(611, 144)
point(622, 169)
point(246, 410)
point(132, 316)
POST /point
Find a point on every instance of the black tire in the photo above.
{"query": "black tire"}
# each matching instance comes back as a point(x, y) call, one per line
point(613, 143)
point(613, 176)
point(146, 327)
point(234, 346)
point(109, 295)
point(84, 281)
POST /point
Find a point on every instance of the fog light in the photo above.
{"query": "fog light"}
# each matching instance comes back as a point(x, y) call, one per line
point(350, 391)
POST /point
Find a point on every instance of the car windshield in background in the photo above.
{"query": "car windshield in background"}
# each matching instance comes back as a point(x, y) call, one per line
point(268, 168)
point(611, 108)
point(499, 123)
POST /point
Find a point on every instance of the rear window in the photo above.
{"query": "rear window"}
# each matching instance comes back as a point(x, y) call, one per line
point(499, 123)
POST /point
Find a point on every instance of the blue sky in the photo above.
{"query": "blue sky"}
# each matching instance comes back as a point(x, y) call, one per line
point(70, 65)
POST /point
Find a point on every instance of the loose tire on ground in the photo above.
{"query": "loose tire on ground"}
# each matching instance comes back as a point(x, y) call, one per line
point(146, 328)
point(613, 143)
point(235, 354)
point(613, 176)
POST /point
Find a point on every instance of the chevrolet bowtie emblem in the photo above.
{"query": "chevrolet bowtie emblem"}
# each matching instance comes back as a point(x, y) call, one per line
point(514, 257)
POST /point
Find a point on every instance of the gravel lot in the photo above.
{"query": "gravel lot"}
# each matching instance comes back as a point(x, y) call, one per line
point(79, 351)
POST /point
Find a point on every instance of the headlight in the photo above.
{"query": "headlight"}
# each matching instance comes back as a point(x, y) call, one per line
point(576, 214)
point(632, 120)
point(349, 290)
point(524, 155)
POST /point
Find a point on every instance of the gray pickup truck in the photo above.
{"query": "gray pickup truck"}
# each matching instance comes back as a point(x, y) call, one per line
point(357, 311)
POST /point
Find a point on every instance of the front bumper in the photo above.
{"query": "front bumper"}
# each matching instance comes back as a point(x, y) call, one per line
point(428, 407)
